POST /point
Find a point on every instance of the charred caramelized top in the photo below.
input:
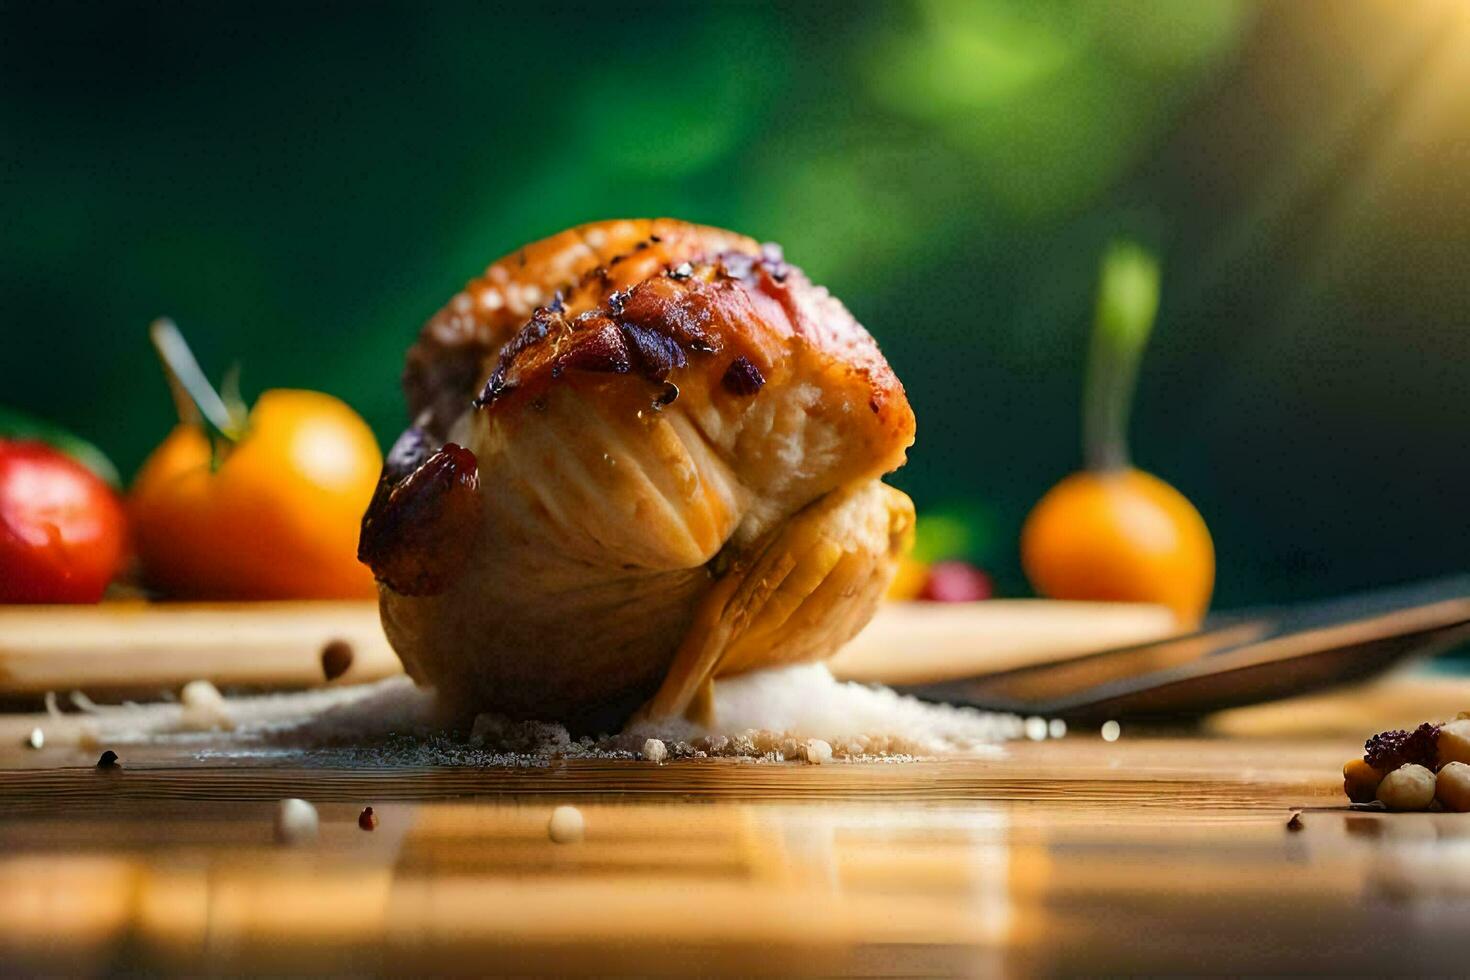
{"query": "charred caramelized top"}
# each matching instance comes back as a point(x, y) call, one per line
point(585, 265)
point(645, 299)
point(737, 314)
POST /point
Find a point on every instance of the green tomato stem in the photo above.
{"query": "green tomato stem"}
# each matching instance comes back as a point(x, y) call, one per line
point(1127, 302)
point(229, 393)
point(195, 397)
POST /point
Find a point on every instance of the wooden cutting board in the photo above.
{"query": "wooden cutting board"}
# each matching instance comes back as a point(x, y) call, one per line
point(137, 648)
point(127, 649)
point(1065, 857)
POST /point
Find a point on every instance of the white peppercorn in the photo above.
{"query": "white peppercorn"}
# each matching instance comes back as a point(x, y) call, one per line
point(566, 825)
point(296, 822)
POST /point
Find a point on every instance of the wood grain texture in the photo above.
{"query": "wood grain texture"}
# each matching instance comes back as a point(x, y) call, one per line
point(1151, 854)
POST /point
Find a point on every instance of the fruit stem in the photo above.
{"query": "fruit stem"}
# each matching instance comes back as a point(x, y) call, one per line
point(1127, 301)
point(229, 393)
point(194, 396)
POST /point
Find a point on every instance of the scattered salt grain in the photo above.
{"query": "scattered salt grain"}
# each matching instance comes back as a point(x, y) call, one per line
point(1056, 728)
point(654, 750)
point(36, 739)
point(1111, 731)
point(204, 708)
point(1036, 729)
point(296, 822)
point(818, 752)
point(566, 825)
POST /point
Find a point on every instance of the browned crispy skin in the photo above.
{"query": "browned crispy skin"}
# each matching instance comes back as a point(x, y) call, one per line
point(584, 264)
point(734, 314)
point(679, 442)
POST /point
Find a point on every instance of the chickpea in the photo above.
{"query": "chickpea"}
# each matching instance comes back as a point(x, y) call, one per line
point(1360, 781)
point(1408, 787)
point(1452, 787)
point(1454, 741)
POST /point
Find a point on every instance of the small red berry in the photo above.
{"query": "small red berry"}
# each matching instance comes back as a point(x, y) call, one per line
point(955, 581)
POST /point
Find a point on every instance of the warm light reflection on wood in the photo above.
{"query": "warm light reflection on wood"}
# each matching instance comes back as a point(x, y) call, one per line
point(1047, 860)
point(487, 875)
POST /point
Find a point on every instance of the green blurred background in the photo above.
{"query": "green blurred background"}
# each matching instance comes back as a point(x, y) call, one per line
point(302, 185)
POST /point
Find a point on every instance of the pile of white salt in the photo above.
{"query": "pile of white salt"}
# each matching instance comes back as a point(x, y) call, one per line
point(800, 712)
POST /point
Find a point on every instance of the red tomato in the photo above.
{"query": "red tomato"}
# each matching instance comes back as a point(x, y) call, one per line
point(63, 534)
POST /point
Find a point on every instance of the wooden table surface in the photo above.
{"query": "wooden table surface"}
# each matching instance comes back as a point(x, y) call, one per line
point(1156, 854)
